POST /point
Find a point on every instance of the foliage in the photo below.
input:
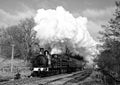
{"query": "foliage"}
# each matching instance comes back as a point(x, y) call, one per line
point(5, 48)
point(22, 36)
point(110, 58)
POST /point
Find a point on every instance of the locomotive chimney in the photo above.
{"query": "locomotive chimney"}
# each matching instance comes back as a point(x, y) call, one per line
point(42, 51)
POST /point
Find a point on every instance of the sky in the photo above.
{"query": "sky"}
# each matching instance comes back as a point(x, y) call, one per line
point(98, 12)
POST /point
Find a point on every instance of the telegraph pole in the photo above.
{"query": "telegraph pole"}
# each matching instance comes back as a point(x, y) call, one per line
point(12, 57)
point(0, 46)
point(0, 49)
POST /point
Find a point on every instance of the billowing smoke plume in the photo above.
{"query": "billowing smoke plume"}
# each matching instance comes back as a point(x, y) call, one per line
point(56, 50)
point(59, 25)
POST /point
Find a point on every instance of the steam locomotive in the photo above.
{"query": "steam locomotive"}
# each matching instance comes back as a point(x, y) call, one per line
point(45, 64)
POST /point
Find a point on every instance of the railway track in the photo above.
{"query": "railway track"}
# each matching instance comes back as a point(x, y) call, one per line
point(65, 79)
point(69, 80)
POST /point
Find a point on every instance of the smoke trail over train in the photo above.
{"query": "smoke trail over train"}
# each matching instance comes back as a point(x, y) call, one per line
point(59, 25)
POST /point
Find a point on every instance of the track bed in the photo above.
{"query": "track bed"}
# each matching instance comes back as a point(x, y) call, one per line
point(62, 79)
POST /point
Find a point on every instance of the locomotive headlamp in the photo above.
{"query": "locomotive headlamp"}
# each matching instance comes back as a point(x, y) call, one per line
point(41, 69)
point(35, 69)
point(38, 69)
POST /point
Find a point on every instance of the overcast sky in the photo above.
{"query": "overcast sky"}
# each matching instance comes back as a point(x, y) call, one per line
point(98, 12)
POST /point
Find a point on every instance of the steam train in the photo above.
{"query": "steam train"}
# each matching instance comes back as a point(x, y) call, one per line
point(45, 64)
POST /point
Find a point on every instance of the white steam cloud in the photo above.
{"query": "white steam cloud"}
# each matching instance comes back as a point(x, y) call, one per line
point(58, 25)
point(55, 50)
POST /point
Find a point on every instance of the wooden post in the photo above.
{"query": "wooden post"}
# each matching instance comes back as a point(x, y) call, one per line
point(12, 57)
point(0, 49)
point(0, 46)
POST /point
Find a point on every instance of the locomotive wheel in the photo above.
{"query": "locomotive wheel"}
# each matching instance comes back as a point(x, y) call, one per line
point(68, 70)
point(59, 71)
point(34, 74)
point(62, 70)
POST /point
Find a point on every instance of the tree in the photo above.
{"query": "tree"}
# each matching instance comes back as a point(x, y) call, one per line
point(5, 42)
point(29, 37)
point(22, 36)
point(109, 58)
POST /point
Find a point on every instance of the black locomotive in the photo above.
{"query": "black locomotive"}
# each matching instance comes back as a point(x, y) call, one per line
point(45, 64)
